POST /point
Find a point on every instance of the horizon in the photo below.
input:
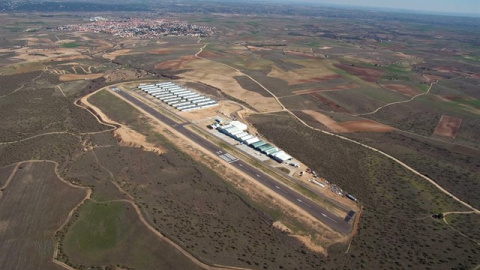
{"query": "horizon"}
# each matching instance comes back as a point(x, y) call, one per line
point(442, 7)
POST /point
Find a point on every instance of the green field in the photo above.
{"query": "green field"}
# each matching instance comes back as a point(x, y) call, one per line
point(70, 45)
point(111, 234)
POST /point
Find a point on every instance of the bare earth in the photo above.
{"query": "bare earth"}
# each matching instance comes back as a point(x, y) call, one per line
point(349, 126)
point(114, 54)
point(448, 126)
point(402, 89)
point(76, 77)
point(366, 74)
point(222, 77)
point(125, 135)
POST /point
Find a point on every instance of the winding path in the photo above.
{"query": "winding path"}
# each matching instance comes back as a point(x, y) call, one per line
point(459, 232)
point(397, 102)
point(353, 141)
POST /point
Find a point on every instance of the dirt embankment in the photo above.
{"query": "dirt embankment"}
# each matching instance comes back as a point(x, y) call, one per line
point(125, 135)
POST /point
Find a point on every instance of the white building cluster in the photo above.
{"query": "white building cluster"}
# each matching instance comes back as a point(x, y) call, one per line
point(178, 97)
point(238, 131)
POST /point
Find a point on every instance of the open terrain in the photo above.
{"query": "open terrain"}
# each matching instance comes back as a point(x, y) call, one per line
point(404, 84)
point(205, 206)
point(30, 215)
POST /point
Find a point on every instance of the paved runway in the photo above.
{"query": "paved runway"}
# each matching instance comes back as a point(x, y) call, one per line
point(337, 223)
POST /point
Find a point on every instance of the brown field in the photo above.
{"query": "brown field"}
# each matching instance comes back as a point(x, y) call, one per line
point(366, 126)
point(159, 51)
point(330, 103)
point(223, 77)
point(448, 126)
point(362, 59)
point(175, 64)
point(34, 205)
point(402, 89)
point(349, 126)
point(207, 54)
point(313, 72)
point(336, 88)
point(76, 77)
point(431, 78)
point(256, 49)
point(34, 55)
point(112, 55)
point(366, 74)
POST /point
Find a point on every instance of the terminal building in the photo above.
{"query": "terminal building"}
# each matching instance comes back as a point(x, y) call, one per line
point(238, 131)
point(180, 98)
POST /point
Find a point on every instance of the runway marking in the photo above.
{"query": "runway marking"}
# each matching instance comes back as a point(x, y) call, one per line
point(304, 203)
point(228, 158)
point(329, 217)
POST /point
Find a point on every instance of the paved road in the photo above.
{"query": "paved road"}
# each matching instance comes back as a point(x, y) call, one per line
point(337, 223)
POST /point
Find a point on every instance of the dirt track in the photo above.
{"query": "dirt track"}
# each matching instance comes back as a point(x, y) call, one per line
point(369, 147)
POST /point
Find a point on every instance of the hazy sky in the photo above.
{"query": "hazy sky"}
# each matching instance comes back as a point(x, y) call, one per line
point(449, 6)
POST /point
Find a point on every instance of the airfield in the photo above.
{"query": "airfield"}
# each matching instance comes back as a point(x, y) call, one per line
point(145, 185)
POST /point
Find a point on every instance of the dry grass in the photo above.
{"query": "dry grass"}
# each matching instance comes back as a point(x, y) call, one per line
point(112, 55)
point(314, 71)
point(222, 77)
point(76, 77)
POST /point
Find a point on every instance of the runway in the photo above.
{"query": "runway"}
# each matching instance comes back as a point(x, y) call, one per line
point(337, 223)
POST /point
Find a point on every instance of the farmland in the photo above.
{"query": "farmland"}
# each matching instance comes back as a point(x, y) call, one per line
point(111, 234)
point(404, 84)
point(30, 214)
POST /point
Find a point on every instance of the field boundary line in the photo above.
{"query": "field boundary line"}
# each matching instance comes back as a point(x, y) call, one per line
point(160, 235)
point(459, 232)
point(10, 177)
point(246, 75)
point(40, 135)
point(70, 214)
point(393, 159)
point(396, 102)
point(353, 141)
point(59, 88)
point(195, 260)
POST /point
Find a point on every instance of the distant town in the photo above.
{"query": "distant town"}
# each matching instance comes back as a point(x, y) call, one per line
point(141, 28)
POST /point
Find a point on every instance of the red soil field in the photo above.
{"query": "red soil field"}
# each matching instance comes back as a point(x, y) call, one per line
point(334, 106)
point(448, 126)
point(402, 89)
point(366, 74)
point(365, 126)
